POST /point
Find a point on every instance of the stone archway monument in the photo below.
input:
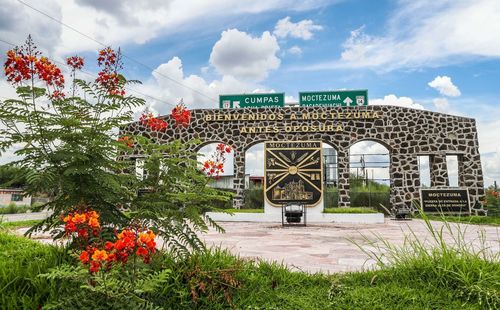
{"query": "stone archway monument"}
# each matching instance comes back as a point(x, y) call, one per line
point(406, 133)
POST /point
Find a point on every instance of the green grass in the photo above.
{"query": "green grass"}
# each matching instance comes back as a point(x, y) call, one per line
point(247, 210)
point(349, 210)
point(21, 261)
point(448, 275)
point(479, 220)
point(14, 209)
point(18, 224)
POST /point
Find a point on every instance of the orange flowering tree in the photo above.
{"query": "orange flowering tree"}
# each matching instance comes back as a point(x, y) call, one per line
point(66, 131)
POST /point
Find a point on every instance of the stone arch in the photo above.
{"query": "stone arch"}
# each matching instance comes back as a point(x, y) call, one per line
point(205, 143)
point(370, 139)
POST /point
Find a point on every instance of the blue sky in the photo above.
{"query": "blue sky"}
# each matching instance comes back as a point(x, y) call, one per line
point(437, 55)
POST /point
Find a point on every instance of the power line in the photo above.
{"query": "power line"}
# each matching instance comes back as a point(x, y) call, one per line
point(94, 76)
point(124, 55)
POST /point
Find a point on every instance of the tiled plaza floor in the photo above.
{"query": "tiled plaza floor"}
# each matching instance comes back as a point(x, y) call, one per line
point(330, 247)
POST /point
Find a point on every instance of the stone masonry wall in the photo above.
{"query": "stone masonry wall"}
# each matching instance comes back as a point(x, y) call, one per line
point(406, 133)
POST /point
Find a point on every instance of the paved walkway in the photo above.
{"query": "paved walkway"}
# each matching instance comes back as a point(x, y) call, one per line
point(327, 247)
point(25, 216)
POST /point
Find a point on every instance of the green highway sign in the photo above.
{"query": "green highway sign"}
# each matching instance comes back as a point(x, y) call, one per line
point(344, 98)
point(252, 101)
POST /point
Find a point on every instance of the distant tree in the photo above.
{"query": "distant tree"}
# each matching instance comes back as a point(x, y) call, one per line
point(11, 176)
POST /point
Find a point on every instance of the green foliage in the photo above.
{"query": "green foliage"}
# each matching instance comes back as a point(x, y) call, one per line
point(254, 198)
point(12, 208)
point(493, 201)
point(21, 261)
point(478, 220)
point(11, 176)
point(350, 210)
point(247, 210)
point(175, 196)
point(216, 279)
point(18, 224)
point(469, 273)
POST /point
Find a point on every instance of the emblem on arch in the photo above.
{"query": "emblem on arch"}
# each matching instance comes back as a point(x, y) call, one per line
point(293, 172)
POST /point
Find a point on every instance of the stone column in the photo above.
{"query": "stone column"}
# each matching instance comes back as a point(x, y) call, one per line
point(470, 175)
point(343, 177)
point(439, 170)
point(405, 179)
point(239, 177)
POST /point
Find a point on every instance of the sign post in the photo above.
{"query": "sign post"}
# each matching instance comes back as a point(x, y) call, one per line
point(445, 200)
point(344, 98)
point(252, 101)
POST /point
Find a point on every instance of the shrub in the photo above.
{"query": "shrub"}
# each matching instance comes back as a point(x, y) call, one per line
point(21, 261)
point(12, 208)
point(254, 198)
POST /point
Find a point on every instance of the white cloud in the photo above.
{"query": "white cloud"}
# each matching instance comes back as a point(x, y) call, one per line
point(442, 105)
point(424, 33)
point(118, 22)
point(491, 167)
point(18, 21)
point(196, 92)
point(245, 57)
point(300, 30)
point(395, 101)
point(295, 50)
point(445, 86)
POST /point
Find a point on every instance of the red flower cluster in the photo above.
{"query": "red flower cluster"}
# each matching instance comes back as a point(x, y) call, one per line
point(49, 72)
point(82, 224)
point(214, 167)
point(57, 95)
point(155, 124)
point(128, 243)
point(128, 141)
point(75, 62)
point(18, 67)
point(108, 77)
point(21, 67)
point(181, 115)
point(107, 57)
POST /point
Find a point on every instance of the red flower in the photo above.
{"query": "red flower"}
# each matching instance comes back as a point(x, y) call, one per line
point(18, 66)
point(155, 124)
point(49, 72)
point(109, 246)
point(141, 251)
point(84, 257)
point(75, 62)
point(108, 77)
point(95, 266)
point(127, 141)
point(107, 57)
point(57, 95)
point(181, 115)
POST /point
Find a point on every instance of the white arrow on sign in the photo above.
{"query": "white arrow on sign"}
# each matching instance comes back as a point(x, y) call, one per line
point(348, 101)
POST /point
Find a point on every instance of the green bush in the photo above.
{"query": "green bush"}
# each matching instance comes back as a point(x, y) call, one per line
point(21, 261)
point(254, 198)
point(12, 208)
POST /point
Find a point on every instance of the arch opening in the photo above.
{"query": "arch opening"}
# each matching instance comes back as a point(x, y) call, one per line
point(223, 179)
point(369, 179)
point(253, 197)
